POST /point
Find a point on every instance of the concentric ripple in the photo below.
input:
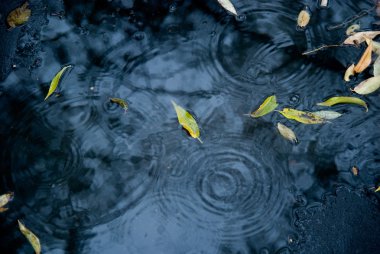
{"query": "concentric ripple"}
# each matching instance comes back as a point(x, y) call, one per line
point(230, 185)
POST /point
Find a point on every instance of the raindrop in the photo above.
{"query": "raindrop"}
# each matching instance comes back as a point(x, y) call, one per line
point(139, 36)
point(241, 18)
point(294, 99)
point(172, 8)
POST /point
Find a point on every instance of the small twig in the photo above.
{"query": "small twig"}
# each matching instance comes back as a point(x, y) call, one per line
point(351, 19)
point(320, 48)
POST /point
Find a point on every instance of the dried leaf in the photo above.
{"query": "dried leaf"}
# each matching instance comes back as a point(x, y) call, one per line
point(376, 47)
point(19, 16)
point(266, 107)
point(378, 189)
point(302, 116)
point(32, 238)
point(121, 103)
point(187, 121)
point(303, 18)
point(349, 72)
point(287, 133)
point(376, 67)
point(56, 80)
point(365, 60)
point(226, 4)
point(4, 200)
point(327, 114)
point(359, 37)
point(351, 29)
point(324, 3)
point(343, 100)
point(368, 86)
point(355, 171)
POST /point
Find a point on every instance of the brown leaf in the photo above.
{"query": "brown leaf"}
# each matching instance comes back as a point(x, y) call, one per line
point(359, 37)
point(19, 16)
point(366, 58)
point(355, 171)
point(303, 18)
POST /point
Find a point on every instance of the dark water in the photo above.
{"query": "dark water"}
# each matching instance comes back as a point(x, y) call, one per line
point(90, 179)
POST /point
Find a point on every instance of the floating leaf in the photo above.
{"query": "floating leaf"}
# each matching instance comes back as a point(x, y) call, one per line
point(56, 80)
point(187, 121)
point(376, 67)
point(19, 16)
point(32, 238)
point(376, 47)
point(287, 133)
point(365, 60)
point(324, 3)
point(121, 103)
point(355, 171)
point(303, 18)
point(302, 116)
point(349, 72)
point(328, 114)
point(359, 37)
point(368, 86)
point(226, 4)
point(4, 200)
point(351, 29)
point(266, 107)
point(343, 100)
point(378, 189)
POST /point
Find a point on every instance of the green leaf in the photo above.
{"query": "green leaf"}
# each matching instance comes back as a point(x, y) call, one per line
point(343, 100)
point(187, 121)
point(266, 107)
point(302, 116)
point(32, 238)
point(56, 80)
point(122, 103)
point(287, 133)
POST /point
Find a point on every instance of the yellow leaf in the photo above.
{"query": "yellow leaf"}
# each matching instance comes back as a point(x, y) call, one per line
point(121, 103)
point(187, 121)
point(368, 86)
point(287, 133)
point(349, 72)
point(302, 116)
point(226, 4)
point(359, 37)
point(355, 171)
point(378, 189)
point(266, 107)
point(327, 114)
point(56, 80)
point(351, 29)
point(343, 100)
point(303, 18)
point(365, 60)
point(4, 200)
point(32, 238)
point(19, 15)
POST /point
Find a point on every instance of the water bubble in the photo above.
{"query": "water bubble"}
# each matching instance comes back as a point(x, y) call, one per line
point(241, 18)
point(173, 7)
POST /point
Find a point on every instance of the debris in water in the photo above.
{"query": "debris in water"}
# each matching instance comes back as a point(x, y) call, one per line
point(287, 133)
point(19, 16)
point(32, 238)
point(351, 29)
point(355, 171)
point(368, 86)
point(303, 18)
point(266, 107)
point(56, 80)
point(349, 72)
point(226, 4)
point(343, 100)
point(122, 103)
point(187, 121)
point(4, 200)
point(302, 116)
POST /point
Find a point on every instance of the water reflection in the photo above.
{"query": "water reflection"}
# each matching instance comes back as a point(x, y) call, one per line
point(90, 179)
